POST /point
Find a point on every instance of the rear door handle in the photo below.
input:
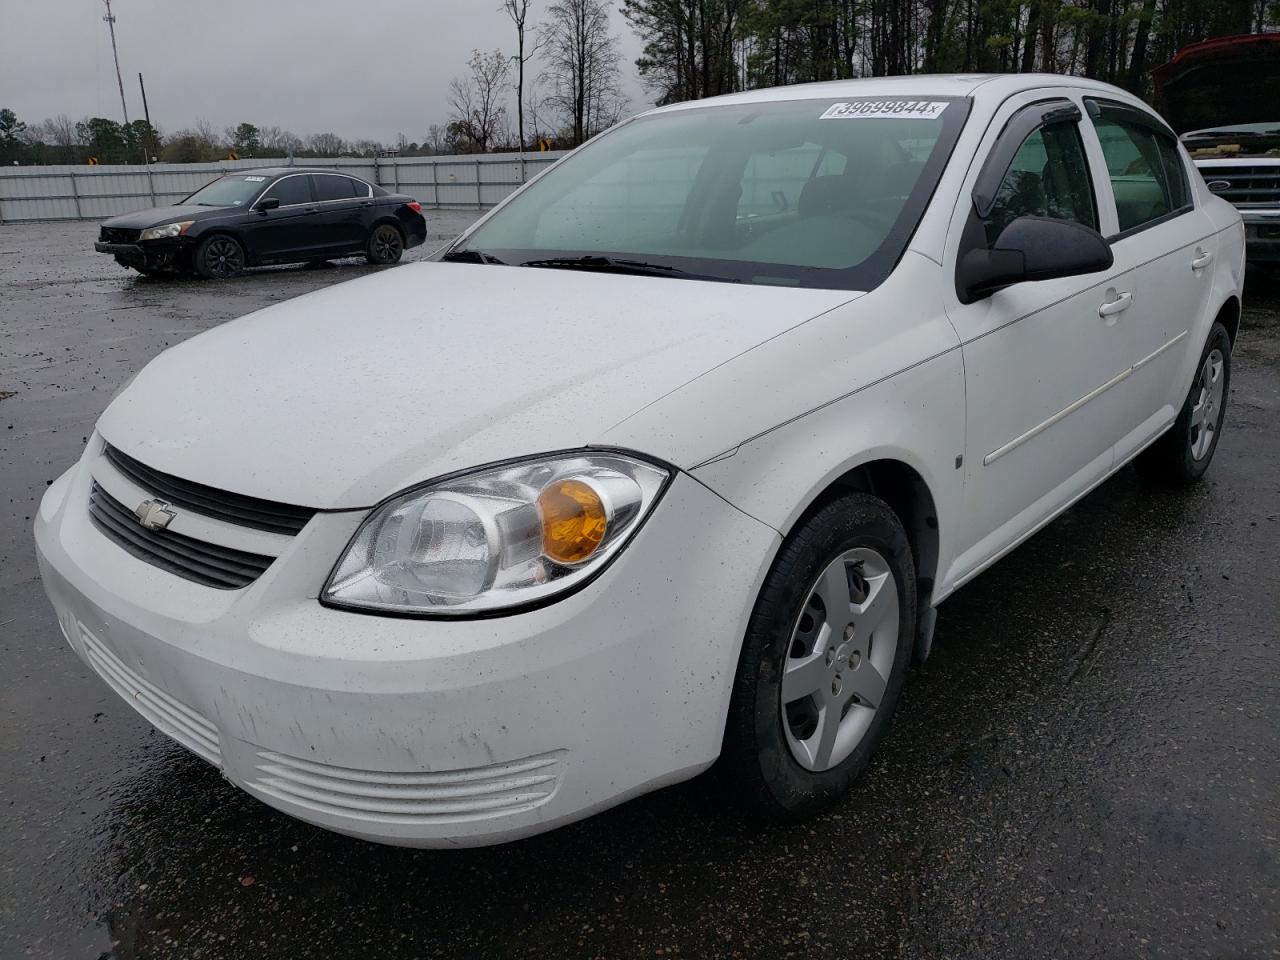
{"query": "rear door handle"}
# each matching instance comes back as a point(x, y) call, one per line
point(1115, 303)
point(1202, 259)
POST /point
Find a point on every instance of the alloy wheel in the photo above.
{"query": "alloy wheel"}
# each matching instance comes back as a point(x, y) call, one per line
point(386, 244)
point(1207, 408)
point(223, 257)
point(839, 659)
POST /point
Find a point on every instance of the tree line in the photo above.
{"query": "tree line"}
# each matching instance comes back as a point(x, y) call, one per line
point(701, 48)
point(565, 72)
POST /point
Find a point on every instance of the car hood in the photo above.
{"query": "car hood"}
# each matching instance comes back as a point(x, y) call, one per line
point(340, 398)
point(141, 219)
point(1223, 81)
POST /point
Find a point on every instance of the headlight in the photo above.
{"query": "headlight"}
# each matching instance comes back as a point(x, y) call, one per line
point(497, 538)
point(166, 231)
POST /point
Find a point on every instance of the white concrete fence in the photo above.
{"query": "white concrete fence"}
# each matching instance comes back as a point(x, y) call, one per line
point(70, 192)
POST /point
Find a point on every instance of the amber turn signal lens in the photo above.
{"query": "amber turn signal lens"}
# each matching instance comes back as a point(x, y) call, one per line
point(574, 521)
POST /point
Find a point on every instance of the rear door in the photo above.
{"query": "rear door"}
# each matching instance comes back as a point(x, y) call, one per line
point(341, 201)
point(1164, 245)
point(287, 231)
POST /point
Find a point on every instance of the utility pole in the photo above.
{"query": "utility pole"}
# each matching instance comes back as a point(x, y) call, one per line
point(111, 25)
point(149, 147)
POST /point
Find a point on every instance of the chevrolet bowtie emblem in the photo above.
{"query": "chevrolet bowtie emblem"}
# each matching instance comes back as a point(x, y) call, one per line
point(154, 514)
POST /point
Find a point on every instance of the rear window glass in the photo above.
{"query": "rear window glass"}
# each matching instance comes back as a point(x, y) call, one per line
point(334, 188)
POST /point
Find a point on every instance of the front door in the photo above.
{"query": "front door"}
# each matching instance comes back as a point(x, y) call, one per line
point(288, 231)
point(1041, 357)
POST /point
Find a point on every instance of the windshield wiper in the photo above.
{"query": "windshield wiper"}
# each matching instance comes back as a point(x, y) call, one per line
point(471, 256)
point(592, 261)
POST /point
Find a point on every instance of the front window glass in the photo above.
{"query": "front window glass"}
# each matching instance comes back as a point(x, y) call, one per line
point(291, 190)
point(233, 191)
point(1048, 177)
point(801, 192)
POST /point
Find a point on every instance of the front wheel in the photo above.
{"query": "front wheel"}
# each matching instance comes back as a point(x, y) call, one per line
point(824, 659)
point(1183, 454)
point(219, 257)
point(386, 244)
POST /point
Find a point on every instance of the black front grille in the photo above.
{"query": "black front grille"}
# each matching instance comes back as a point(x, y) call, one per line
point(118, 235)
point(1248, 185)
point(195, 560)
point(219, 504)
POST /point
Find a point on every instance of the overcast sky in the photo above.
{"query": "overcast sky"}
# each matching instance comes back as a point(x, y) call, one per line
point(368, 69)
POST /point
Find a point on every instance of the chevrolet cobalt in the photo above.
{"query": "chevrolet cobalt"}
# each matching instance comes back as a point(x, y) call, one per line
point(668, 461)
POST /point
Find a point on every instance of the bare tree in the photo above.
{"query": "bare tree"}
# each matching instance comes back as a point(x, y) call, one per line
point(518, 12)
point(582, 65)
point(478, 114)
point(434, 142)
point(61, 131)
point(205, 132)
point(326, 144)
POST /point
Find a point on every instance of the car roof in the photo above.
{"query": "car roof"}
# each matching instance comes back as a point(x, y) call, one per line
point(280, 171)
point(982, 87)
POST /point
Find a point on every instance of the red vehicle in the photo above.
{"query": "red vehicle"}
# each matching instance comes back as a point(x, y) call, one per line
point(1222, 96)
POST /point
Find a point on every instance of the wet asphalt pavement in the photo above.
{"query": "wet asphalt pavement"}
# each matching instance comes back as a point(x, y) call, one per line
point(1088, 765)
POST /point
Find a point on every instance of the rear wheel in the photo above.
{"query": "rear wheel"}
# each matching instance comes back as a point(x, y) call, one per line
point(1183, 454)
point(219, 257)
point(823, 661)
point(386, 244)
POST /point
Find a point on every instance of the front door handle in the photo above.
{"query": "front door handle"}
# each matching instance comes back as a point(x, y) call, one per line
point(1202, 259)
point(311, 211)
point(1115, 303)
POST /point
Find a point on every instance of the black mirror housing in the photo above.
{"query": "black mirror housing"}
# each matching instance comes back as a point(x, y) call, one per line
point(268, 203)
point(1028, 249)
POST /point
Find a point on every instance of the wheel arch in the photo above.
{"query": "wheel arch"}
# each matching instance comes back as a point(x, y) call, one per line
point(904, 488)
point(392, 219)
point(1229, 316)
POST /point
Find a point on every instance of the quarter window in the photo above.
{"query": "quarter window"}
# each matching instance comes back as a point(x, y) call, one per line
point(1048, 177)
point(290, 190)
point(1147, 175)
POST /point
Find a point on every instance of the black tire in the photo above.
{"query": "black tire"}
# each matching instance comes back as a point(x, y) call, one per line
point(385, 246)
point(219, 257)
point(1172, 459)
point(757, 763)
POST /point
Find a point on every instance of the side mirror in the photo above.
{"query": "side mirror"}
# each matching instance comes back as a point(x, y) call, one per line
point(267, 203)
point(1032, 248)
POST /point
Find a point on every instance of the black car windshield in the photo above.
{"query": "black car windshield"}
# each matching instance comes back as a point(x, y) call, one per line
point(820, 193)
point(238, 190)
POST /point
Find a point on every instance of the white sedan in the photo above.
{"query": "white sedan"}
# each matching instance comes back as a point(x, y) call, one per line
point(668, 460)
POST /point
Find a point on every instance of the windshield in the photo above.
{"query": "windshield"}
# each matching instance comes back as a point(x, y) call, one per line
point(815, 193)
point(233, 191)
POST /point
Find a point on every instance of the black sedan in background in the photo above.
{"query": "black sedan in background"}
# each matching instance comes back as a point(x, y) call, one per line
point(270, 215)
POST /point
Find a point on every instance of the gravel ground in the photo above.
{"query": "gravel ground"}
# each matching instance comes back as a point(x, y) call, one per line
point(1086, 767)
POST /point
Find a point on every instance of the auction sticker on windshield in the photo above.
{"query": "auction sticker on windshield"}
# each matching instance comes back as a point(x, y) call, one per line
point(869, 109)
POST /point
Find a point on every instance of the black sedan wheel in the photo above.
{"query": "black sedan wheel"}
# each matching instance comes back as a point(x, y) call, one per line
point(219, 257)
point(385, 245)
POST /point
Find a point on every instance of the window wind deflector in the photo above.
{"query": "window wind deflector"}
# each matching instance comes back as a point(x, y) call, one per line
point(1019, 127)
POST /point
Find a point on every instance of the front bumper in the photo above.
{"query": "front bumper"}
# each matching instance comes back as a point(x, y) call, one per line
point(1261, 235)
point(424, 732)
point(152, 255)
